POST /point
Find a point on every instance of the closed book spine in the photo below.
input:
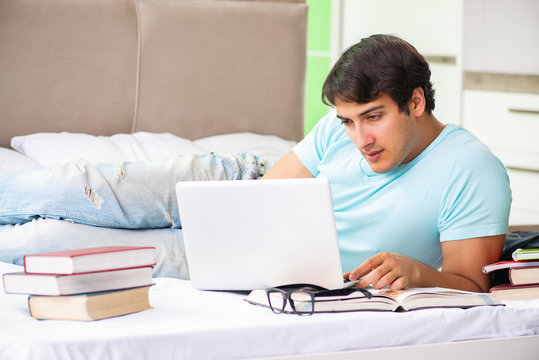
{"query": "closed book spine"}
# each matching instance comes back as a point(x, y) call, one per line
point(87, 260)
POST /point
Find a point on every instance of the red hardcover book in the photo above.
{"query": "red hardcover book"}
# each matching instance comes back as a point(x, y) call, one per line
point(507, 265)
point(87, 260)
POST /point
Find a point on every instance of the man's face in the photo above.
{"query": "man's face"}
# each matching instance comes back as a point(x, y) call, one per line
point(385, 136)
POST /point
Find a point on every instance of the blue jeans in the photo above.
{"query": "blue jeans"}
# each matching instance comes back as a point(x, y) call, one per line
point(138, 195)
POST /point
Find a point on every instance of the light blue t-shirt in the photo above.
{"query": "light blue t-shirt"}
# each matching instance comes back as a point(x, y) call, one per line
point(455, 189)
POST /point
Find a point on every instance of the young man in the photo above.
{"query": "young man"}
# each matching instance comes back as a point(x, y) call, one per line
point(410, 193)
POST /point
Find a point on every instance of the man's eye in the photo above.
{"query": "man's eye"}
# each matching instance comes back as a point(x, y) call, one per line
point(374, 117)
point(346, 122)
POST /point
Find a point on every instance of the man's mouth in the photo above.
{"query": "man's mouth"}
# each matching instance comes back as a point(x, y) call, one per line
point(373, 155)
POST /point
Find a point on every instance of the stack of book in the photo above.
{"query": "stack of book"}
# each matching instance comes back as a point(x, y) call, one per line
point(85, 284)
point(521, 276)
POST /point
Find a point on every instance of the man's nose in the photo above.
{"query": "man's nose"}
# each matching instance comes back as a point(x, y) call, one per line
point(361, 137)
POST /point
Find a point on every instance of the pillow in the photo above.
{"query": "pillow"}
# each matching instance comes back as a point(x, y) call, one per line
point(49, 149)
point(11, 161)
point(269, 147)
point(52, 148)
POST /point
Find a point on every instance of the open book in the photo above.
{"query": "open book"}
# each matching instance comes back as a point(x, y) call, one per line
point(379, 300)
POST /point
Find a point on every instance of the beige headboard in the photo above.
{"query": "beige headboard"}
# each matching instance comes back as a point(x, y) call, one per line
point(190, 67)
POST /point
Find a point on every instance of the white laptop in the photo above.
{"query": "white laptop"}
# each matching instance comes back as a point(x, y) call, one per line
point(256, 234)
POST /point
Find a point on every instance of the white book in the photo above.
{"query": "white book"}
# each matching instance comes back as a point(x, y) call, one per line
point(43, 284)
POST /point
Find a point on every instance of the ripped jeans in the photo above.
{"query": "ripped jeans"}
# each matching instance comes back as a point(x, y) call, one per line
point(137, 195)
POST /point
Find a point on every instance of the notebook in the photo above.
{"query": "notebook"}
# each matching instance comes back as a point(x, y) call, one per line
point(256, 234)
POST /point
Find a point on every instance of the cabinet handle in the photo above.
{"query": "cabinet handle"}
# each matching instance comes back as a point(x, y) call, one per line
point(523, 111)
point(516, 168)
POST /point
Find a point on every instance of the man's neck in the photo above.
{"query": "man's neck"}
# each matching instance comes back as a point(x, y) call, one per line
point(433, 127)
point(429, 129)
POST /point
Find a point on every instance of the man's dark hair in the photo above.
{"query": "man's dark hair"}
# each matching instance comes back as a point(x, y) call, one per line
point(377, 65)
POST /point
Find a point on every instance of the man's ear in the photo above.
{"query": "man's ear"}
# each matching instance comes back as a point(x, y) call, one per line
point(417, 103)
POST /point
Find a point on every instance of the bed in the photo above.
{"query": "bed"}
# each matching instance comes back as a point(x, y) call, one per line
point(132, 80)
point(143, 80)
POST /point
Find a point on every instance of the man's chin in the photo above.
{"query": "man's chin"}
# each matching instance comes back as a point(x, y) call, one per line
point(380, 168)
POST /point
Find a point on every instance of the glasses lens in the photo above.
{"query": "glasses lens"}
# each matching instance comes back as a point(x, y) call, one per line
point(276, 300)
point(302, 302)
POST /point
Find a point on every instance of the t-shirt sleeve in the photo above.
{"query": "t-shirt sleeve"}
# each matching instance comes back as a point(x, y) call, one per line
point(311, 149)
point(478, 198)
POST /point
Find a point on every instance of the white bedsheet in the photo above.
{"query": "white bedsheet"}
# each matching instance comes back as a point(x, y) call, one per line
point(189, 324)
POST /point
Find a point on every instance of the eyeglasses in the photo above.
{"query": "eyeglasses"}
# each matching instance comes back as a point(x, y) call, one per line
point(302, 297)
point(301, 300)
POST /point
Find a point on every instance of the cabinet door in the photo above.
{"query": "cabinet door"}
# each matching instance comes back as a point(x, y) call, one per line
point(501, 36)
point(525, 191)
point(433, 27)
point(507, 122)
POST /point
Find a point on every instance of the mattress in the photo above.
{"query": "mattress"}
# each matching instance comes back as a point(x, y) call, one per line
point(185, 323)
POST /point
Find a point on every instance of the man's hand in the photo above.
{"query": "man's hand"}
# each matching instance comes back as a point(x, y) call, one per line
point(385, 269)
point(461, 267)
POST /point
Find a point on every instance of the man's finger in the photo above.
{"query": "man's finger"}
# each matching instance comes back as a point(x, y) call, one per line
point(366, 267)
point(390, 278)
point(376, 274)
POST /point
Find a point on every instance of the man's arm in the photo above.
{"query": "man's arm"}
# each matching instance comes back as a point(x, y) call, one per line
point(289, 166)
point(461, 267)
point(465, 258)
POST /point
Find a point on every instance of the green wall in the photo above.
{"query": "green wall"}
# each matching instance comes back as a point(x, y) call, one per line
point(318, 59)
